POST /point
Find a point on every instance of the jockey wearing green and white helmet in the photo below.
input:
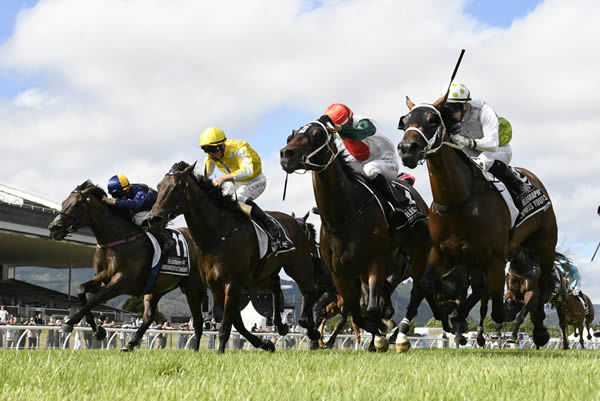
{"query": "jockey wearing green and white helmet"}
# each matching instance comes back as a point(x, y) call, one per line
point(476, 129)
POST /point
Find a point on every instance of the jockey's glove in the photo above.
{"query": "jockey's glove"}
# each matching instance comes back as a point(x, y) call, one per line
point(463, 141)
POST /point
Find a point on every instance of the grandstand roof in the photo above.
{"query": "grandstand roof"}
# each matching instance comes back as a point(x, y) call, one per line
point(24, 235)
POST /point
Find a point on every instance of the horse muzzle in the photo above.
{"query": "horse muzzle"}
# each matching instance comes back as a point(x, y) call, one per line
point(57, 231)
point(409, 154)
point(289, 159)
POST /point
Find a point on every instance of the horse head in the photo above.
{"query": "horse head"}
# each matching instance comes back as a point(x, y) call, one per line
point(311, 147)
point(171, 193)
point(74, 210)
point(424, 132)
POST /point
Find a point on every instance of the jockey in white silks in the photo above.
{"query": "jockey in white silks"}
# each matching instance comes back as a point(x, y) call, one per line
point(476, 130)
point(372, 155)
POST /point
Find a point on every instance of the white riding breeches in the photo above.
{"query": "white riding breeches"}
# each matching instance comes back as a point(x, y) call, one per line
point(242, 191)
point(387, 167)
point(140, 217)
point(486, 159)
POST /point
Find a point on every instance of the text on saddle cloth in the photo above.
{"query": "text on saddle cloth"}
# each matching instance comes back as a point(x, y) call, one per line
point(534, 201)
point(410, 211)
point(178, 259)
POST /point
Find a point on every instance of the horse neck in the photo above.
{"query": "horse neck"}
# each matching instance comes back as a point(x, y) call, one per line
point(205, 221)
point(449, 176)
point(107, 225)
point(335, 194)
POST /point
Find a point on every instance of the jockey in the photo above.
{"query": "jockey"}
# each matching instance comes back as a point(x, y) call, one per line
point(571, 273)
point(476, 131)
point(136, 200)
point(243, 178)
point(373, 156)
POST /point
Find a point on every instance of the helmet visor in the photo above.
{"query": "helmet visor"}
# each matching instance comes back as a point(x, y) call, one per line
point(211, 149)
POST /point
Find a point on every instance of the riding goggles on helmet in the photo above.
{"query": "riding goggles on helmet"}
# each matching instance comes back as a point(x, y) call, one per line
point(210, 149)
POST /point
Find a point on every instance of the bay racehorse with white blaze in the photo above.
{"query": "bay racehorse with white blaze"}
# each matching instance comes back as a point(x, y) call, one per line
point(469, 222)
point(356, 242)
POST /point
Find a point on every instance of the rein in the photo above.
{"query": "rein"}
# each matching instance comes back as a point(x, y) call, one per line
point(351, 220)
point(121, 241)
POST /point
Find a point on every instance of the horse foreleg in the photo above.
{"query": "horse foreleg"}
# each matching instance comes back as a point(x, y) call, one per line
point(114, 288)
point(282, 329)
point(482, 314)
point(195, 295)
point(92, 286)
point(256, 341)
point(338, 327)
point(231, 302)
point(376, 274)
point(580, 329)
point(541, 336)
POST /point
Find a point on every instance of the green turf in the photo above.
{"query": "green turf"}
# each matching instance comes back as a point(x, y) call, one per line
point(300, 375)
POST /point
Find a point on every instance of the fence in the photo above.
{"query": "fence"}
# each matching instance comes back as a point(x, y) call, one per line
point(18, 337)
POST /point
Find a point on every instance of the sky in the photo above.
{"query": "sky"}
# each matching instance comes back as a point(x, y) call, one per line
point(89, 89)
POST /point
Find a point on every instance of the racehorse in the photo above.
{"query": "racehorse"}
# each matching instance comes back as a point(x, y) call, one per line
point(229, 248)
point(356, 242)
point(468, 220)
point(574, 311)
point(122, 262)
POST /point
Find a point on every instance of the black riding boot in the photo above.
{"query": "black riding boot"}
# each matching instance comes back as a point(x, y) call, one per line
point(279, 242)
point(515, 186)
point(397, 199)
point(166, 242)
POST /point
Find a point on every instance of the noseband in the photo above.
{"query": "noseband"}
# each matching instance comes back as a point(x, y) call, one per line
point(438, 136)
point(305, 160)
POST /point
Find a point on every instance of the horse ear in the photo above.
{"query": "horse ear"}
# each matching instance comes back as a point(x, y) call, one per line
point(306, 215)
point(440, 102)
point(190, 168)
point(409, 103)
point(293, 215)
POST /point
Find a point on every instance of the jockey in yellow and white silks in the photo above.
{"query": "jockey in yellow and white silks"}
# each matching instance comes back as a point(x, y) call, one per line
point(243, 178)
point(476, 130)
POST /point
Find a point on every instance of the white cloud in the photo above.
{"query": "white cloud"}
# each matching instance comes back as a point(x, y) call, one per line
point(128, 85)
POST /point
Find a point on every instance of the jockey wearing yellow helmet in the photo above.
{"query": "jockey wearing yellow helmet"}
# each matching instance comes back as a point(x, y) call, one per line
point(478, 130)
point(243, 178)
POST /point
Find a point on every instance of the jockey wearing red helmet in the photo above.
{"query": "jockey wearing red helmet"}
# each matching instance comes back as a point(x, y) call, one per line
point(365, 143)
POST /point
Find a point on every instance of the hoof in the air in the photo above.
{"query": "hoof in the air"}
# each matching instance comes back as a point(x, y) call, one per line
point(100, 333)
point(480, 341)
point(283, 329)
point(541, 336)
point(313, 334)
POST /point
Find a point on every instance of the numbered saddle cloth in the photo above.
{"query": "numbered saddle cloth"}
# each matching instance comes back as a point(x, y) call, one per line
point(178, 259)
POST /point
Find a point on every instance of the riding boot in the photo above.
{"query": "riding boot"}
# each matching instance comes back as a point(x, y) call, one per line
point(166, 242)
point(277, 238)
point(401, 207)
point(515, 186)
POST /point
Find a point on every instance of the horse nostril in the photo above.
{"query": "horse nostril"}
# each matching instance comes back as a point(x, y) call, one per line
point(288, 153)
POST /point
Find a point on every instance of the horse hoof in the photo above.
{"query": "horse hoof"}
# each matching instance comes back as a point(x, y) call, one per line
point(313, 345)
point(313, 334)
point(381, 344)
point(402, 343)
point(100, 333)
point(302, 323)
point(329, 344)
point(268, 346)
point(66, 328)
point(480, 341)
point(462, 340)
point(283, 329)
point(541, 336)
point(127, 349)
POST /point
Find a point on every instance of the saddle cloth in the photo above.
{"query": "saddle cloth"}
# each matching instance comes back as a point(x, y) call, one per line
point(534, 203)
point(409, 211)
point(178, 259)
point(263, 238)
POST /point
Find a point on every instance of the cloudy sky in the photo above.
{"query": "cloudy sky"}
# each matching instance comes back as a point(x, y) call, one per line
point(93, 88)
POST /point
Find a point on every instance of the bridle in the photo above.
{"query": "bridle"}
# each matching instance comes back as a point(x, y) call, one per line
point(179, 195)
point(305, 160)
point(438, 136)
point(75, 223)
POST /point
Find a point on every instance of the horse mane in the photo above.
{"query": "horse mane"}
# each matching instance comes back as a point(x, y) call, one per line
point(97, 192)
point(214, 193)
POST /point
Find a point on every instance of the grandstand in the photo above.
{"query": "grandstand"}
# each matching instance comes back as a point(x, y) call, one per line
point(25, 241)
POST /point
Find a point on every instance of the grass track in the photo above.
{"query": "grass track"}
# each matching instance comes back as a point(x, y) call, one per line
point(301, 375)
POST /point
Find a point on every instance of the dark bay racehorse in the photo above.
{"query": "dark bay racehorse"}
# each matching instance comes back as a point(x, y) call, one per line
point(229, 249)
point(355, 240)
point(468, 221)
point(122, 262)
